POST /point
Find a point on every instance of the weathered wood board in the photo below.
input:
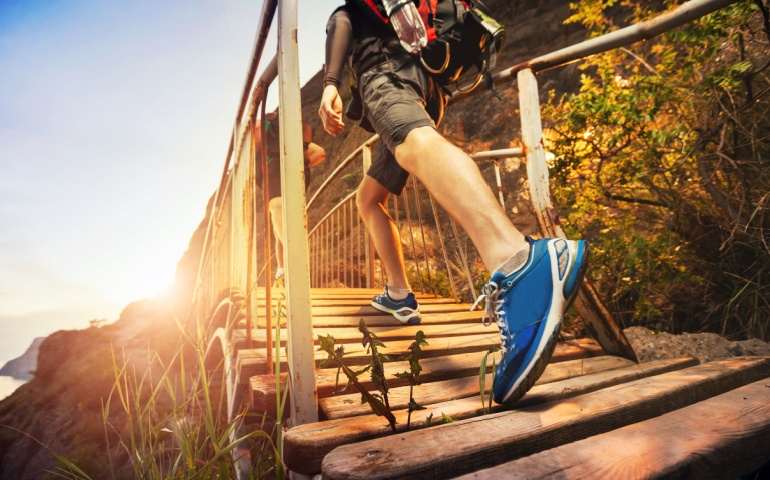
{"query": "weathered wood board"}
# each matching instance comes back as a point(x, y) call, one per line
point(453, 449)
point(727, 436)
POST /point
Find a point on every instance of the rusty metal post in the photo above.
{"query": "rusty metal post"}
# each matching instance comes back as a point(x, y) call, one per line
point(345, 244)
point(449, 273)
point(499, 184)
point(422, 232)
point(366, 153)
point(587, 304)
point(408, 215)
point(299, 319)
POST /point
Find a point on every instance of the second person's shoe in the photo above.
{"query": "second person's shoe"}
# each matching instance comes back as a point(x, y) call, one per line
point(406, 311)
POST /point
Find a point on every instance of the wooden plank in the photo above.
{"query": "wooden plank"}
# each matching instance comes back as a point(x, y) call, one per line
point(367, 310)
point(588, 344)
point(722, 437)
point(252, 362)
point(407, 332)
point(469, 445)
point(385, 320)
point(433, 369)
point(311, 444)
point(332, 293)
point(344, 406)
point(357, 301)
point(386, 334)
point(330, 290)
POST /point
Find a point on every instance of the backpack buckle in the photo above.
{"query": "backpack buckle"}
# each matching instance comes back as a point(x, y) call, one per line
point(443, 67)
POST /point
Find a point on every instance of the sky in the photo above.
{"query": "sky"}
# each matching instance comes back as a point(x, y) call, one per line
point(115, 118)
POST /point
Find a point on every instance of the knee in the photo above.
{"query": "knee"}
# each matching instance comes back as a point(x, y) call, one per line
point(369, 200)
point(364, 201)
point(418, 144)
point(276, 206)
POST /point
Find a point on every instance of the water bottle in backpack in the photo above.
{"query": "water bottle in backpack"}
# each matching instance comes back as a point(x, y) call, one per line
point(407, 23)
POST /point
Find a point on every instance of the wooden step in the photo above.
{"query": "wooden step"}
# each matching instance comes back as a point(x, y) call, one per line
point(364, 309)
point(344, 406)
point(385, 320)
point(386, 334)
point(367, 310)
point(358, 301)
point(251, 362)
point(473, 444)
point(333, 293)
point(433, 369)
point(311, 442)
point(721, 437)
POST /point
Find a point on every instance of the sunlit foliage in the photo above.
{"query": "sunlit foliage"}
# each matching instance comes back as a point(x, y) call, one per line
point(662, 160)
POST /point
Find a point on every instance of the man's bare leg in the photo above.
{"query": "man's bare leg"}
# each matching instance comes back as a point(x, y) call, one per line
point(453, 178)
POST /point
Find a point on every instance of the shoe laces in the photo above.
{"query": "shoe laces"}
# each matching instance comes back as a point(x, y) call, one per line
point(493, 310)
point(383, 295)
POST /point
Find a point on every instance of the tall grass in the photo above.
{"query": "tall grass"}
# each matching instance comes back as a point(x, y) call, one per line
point(172, 420)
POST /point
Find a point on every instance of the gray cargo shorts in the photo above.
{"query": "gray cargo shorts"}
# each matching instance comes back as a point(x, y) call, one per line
point(398, 96)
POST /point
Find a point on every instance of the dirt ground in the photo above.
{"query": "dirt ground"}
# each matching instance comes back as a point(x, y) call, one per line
point(706, 347)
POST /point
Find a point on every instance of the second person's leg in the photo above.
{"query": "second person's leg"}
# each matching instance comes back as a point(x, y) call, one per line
point(397, 298)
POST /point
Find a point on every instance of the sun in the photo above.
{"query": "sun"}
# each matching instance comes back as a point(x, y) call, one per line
point(145, 278)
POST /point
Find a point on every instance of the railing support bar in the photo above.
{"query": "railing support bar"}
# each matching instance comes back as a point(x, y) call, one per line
point(366, 154)
point(499, 184)
point(443, 248)
point(299, 318)
point(422, 232)
point(464, 258)
point(411, 238)
point(598, 319)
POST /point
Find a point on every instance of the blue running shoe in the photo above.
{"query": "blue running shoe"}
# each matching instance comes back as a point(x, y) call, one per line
point(528, 306)
point(406, 311)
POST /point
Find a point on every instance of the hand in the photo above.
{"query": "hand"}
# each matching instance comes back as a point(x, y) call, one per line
point(331, 111)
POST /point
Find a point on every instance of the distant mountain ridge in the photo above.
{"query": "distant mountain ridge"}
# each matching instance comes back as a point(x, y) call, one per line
point(24, 366)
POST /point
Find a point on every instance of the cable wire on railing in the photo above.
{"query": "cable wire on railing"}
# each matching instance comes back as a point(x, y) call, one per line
point(463, 258)
point(422, 232)
point(443, 247)
point(268, 238)
point(411, 237)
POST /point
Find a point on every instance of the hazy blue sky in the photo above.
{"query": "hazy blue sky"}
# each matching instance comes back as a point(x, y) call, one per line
point(114, 122)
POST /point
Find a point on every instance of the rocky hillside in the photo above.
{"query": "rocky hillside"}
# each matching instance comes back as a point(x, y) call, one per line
point(62, 406)
point(23, 366)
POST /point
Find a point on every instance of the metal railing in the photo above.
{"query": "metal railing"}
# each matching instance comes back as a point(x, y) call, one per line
point(230, 259)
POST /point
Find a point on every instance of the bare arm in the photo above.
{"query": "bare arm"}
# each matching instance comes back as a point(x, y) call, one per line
point(314, 153)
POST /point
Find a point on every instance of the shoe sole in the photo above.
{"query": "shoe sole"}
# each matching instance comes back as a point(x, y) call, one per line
point(411, 319)
point(572, 278)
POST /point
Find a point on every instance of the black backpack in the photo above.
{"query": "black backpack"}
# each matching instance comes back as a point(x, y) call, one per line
point(460, 35)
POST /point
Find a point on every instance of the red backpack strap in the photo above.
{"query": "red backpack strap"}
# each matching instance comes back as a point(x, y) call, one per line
point(375, 10)
point(427, 9)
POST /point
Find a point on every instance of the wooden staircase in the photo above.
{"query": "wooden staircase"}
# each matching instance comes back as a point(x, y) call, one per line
point(590, 415)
